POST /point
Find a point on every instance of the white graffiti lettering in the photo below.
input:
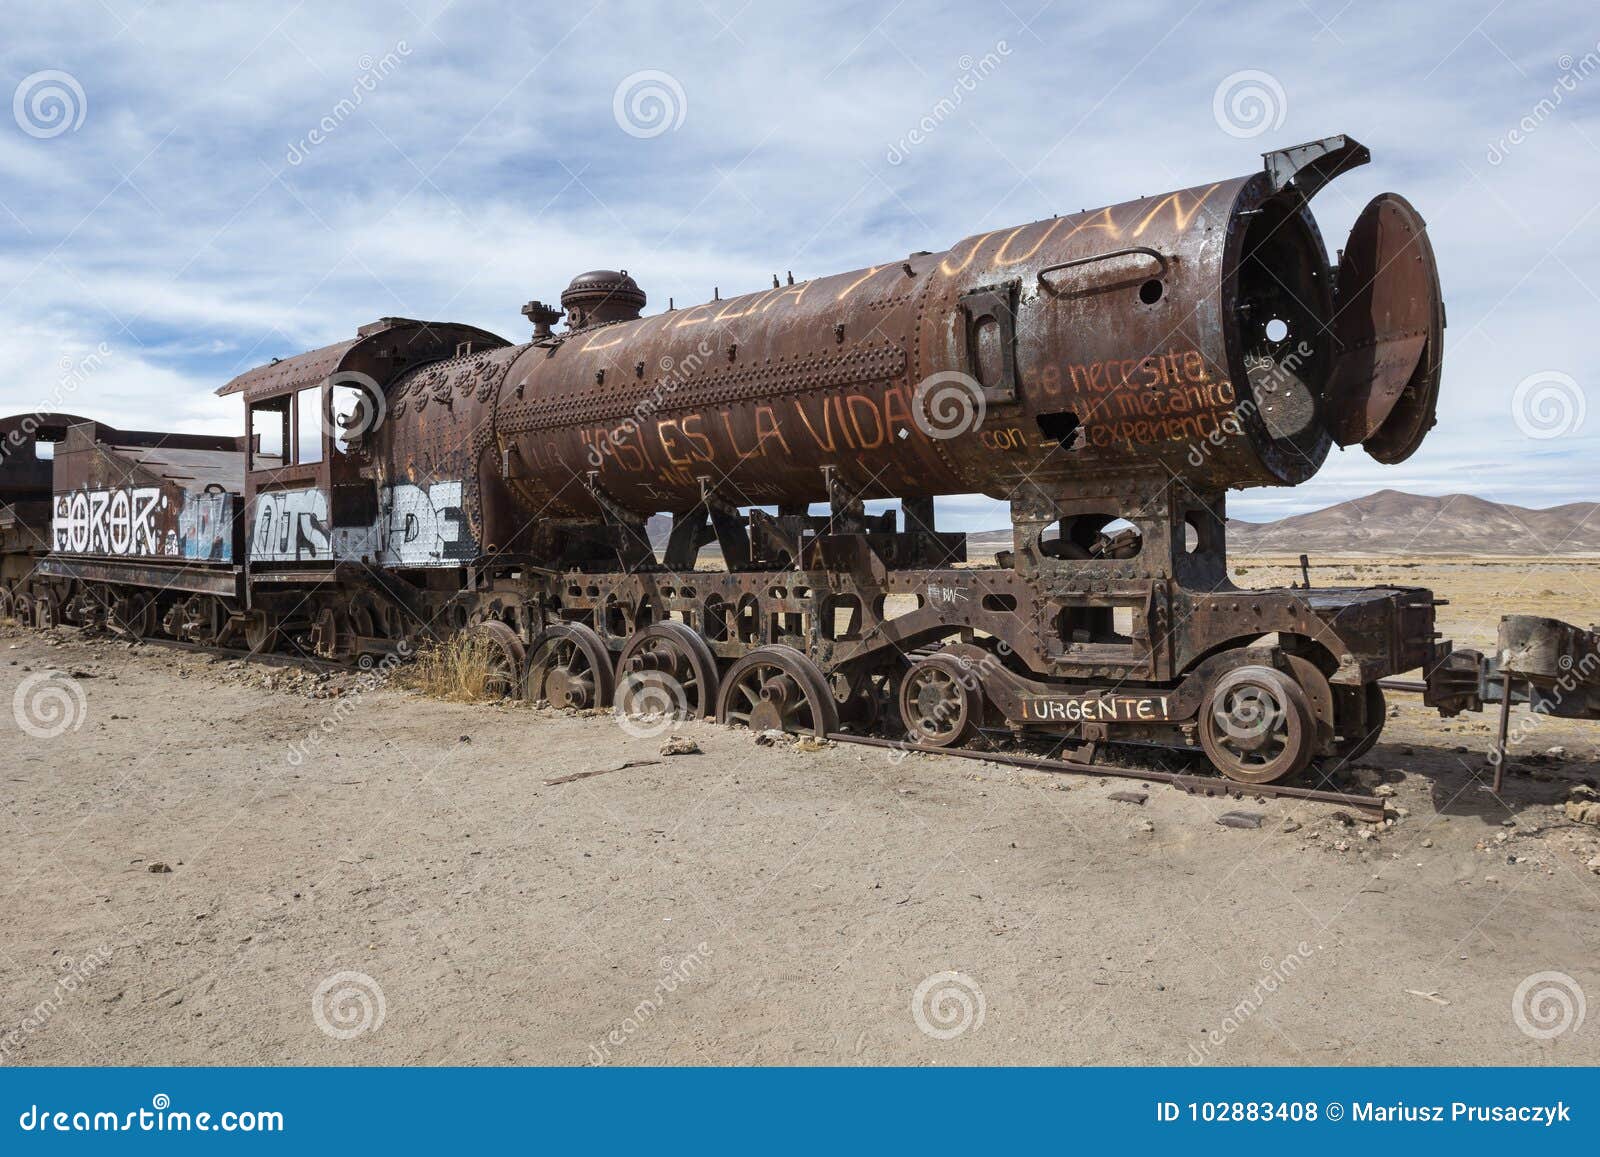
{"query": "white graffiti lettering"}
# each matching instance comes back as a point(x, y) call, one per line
point(416, 526)
point(120, 522)
point(291, 526)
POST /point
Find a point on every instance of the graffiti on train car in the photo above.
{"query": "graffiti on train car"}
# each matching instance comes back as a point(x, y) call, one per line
point(416, 526)
point(205, 527)
point(424, 526)
point(138, 521)
point(120, 521)
point(291, 526)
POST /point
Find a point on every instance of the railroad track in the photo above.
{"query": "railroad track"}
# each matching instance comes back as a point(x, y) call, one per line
point(1370, 806)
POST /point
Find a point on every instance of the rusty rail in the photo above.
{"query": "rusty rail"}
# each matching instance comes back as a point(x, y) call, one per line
point(1370, 806)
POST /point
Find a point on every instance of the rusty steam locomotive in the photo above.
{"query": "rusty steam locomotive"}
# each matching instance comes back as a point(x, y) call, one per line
point(1110, 374)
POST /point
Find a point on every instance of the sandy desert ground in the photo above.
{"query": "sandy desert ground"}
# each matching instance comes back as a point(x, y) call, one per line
point(217, 864)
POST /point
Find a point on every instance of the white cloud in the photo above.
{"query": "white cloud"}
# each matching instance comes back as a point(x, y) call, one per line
point(485, 169)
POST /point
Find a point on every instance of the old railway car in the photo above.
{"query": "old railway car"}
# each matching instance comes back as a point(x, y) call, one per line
point(143, 528)
point(1110, 374)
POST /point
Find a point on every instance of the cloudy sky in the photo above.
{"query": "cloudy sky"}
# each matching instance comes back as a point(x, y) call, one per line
point(169, 217)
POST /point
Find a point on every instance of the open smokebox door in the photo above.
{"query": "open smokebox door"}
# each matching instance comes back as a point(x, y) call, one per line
point(1389, 321)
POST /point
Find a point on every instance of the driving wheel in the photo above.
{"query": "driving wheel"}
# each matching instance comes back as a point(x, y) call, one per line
point(668, 665)
point(134, 614)
point(506, 657)
point(261, 632)
point(776, 688)
point(1256, 725)
point(571, 667)
point(940, 702)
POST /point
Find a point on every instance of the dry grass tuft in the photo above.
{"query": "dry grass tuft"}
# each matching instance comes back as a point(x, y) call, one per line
point(458, 669)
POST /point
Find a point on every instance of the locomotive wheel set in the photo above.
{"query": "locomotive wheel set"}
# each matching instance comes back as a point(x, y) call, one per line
point(1110, 374)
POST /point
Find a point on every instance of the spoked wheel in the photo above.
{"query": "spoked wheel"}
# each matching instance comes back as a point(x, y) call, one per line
point(261, 632)
point(571, 667)
point(204, 618)
point(777, 688)
point(506, 656)
point(667, 668)
point(1256, 725)
point(1357, 738)
point(365, 621)
point(134, 614)
point(330, 634)
point(46, 613)
point(940, 703)
point(22, 608)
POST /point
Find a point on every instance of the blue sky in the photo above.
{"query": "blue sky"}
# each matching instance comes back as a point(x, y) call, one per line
point(182, 220)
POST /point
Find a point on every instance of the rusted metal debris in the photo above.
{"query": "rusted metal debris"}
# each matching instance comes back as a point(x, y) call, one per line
point(577, 775)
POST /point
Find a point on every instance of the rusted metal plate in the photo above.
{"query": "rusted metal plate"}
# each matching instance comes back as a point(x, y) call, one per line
point(224, 581)
point(1549, 651)
point(1390, 325)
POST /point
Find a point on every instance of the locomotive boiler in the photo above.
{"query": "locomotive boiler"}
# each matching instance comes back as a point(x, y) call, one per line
point(1093, 344)
point(675, 505)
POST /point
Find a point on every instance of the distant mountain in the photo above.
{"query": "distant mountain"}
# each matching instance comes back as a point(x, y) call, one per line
point(1388, 522)
point(1393, 522)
